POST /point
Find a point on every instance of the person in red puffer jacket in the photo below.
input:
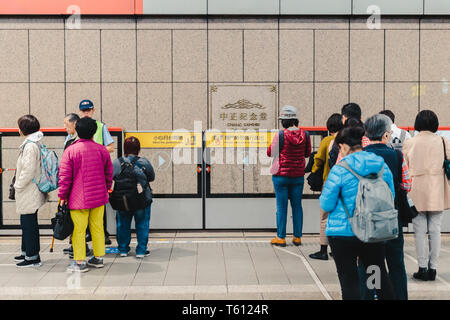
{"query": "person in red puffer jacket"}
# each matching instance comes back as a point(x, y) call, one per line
point(288, 171)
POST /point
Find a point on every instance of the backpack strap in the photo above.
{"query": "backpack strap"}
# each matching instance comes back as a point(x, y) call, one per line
point(345, 207)
point(307, 139)
point(281, 140)
point(345, 165)
point(133, 163)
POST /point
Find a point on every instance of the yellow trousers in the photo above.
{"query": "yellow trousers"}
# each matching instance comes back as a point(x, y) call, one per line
point(81, 219)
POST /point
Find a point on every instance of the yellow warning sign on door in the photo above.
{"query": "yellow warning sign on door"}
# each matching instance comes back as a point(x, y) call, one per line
point(239, 139)
point(168, 139)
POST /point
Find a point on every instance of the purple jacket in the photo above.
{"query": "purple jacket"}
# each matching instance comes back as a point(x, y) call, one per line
point(85, 175)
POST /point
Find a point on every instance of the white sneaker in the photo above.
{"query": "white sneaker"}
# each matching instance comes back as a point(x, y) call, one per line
point(146, 254)
point(124, 254)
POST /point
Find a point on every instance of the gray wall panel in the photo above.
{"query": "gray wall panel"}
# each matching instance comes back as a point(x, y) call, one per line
point(389, 6)
point(316, 7)
point(243, 7)
point(256, 213)
point(175, 7)
point(437, 7)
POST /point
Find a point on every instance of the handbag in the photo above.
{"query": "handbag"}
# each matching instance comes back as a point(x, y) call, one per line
point(62, 223)
point(12, 191)
point(446, 161)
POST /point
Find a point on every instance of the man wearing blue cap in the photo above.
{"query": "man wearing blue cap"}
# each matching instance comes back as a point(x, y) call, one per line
point(101, 136)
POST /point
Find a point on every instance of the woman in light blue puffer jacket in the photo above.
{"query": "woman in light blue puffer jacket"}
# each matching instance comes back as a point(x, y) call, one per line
point(346, 248)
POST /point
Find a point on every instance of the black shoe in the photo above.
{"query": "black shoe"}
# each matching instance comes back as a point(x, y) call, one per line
point(422, 274)
point(107, 241)
point(29, 263)
point(331, 254)
point(431, 274)
point(19, 258)
point(68, 250)
point(319, 255)
point(94, 262)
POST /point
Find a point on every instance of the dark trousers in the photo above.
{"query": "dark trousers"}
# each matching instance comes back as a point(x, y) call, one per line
point(396, 266)
point(346, 251)
point(30, 236)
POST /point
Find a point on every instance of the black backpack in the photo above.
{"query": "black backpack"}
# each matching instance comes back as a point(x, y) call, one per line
point(126, 196)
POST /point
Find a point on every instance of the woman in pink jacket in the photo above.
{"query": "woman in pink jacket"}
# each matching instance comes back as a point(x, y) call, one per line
point(85, 176)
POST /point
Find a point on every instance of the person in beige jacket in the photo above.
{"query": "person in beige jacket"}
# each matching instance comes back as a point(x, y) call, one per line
point(28, 196)
point(430, 189)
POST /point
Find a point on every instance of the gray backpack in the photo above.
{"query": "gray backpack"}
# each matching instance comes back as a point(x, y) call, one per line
point(375, 217)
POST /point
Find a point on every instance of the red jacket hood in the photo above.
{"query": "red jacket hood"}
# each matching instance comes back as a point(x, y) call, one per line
point(295, 137)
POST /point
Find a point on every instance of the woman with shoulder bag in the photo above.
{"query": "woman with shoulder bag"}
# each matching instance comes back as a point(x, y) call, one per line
point(430, 190)
point(144, 174)
point(28, 196)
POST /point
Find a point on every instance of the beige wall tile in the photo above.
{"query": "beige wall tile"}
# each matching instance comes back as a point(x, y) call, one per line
point(242, 23)
point(189, 55)
point(369, 96)
point(225, 55)
point(189, 105)
point(83, 56)
point(154, 55)
point(170, 23)
point(386, 23)
point(9, 213)
point(27, 22)
point(227, 178)
point(331, 55)
point(155, 106)
point(47, 55)
point(313, 23)
point(403, 102)
point(185, 178)
point(366, 55)
point(77, 92)
point(260, 65)
point(118, 55)
point(108, 23)
point(402, 55)
point(299, 95)
point(14, 55)
point(163, 173)
point(254, 181)
point(434, 98)
point(47, 103)
point(329, 98)
point(14, 99)
point(296, 55)
point(119, 105)
point(434, 55)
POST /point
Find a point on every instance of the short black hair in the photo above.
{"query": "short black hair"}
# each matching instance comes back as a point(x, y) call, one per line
point(287, 123)
point(353, 122)
point(28, 124)
point(352, 136)
point(334, 123)
point(389, 113)
point(426, 120)
point(86, 128)
point(351, 110)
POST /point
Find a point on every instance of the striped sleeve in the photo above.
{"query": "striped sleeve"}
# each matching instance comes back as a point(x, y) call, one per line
point(406, 179)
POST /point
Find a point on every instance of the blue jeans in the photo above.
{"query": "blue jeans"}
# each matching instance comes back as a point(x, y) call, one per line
point(142, 224)
point(289, 189)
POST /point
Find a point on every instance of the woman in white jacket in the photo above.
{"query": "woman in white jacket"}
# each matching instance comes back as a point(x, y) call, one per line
point(28, 196)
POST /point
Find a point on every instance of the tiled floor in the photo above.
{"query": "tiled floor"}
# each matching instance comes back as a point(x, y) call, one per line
point(199, 265)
